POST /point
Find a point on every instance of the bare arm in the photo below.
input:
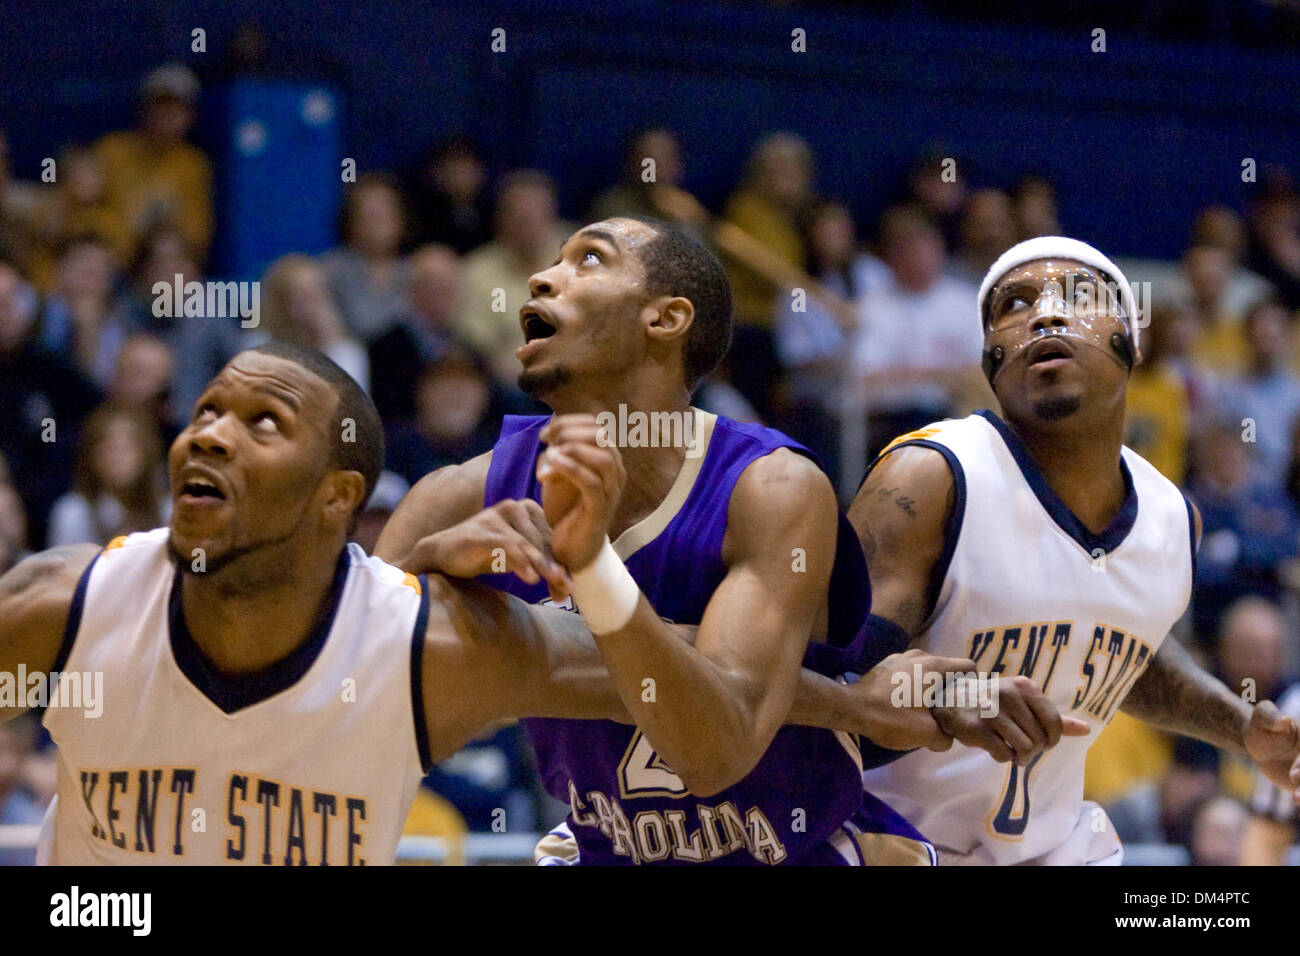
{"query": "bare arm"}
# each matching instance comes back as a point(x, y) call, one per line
point(900, 514)
point(716, 707)
point(710, 710)
point(1175, 694)
point(440, 500)
point(489, 656)
point(35, 597)
point(439, 527)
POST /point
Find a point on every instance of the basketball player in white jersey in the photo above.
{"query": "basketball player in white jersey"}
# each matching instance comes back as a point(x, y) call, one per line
point(1040, 547)
point(270, 694)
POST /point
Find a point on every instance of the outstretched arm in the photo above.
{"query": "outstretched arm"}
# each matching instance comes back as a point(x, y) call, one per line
point(35, 597)
point(1175, 694)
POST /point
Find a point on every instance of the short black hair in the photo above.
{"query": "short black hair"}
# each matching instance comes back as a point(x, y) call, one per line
point(677, 264)
point(365, 453)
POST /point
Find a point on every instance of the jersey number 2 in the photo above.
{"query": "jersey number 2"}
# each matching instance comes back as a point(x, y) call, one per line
point(642, 773)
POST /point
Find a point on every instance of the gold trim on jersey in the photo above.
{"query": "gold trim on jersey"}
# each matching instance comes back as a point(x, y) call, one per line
point(891, 849)
point(652, 525)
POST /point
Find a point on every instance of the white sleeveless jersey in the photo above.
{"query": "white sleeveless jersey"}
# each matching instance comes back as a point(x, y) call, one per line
point(1028, 589)
point(314, 761)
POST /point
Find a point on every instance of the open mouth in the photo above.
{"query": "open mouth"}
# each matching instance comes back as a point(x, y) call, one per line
point(199, 488)
point(536, 327)
point(1048, 351)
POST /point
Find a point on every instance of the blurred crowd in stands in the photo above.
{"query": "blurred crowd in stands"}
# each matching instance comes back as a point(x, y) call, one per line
point(847, 334)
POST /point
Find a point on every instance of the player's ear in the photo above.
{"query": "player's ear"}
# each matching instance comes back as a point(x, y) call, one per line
point(345, 491)
point(669, 317)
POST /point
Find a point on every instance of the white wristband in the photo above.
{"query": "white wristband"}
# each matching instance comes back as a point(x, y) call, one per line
point(605, 593)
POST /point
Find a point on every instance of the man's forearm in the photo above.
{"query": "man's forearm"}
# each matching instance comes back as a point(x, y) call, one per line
point(702, 720)
point(1177, 695)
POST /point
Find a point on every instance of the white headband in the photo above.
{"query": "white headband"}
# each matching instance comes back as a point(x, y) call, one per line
point(1060, 247)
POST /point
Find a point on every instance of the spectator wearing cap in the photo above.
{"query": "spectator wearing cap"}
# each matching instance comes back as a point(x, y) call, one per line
point(152, 174)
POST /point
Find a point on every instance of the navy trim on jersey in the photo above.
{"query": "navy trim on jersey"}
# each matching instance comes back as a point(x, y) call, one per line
point(232, 693)
point(417, 673)
point(951, 527)
point(75, 610)
point(1191, 533)
point(1119, 527)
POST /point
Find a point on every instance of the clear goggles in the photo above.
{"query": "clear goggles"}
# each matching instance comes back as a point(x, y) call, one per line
point(1078, 304)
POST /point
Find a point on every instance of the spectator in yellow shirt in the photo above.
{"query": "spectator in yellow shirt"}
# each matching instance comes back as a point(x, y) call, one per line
point(768, 206)
point(1220, 345)
point(153, 176)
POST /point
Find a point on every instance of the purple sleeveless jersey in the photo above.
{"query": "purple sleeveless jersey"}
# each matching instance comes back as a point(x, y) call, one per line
point(626, 805)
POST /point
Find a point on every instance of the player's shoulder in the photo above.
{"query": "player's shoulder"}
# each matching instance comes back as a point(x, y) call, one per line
point(381, 574)
point(925, 460)
point(777, 491)
point(782, 472)
point(49, 568)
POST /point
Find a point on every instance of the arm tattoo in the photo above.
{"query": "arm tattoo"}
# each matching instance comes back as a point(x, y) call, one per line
point(1175, 694)
point(906, 504)
point(909, 615)
point(33, 569)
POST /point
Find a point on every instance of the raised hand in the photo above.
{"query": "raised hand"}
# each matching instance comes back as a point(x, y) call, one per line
point(582, 478)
